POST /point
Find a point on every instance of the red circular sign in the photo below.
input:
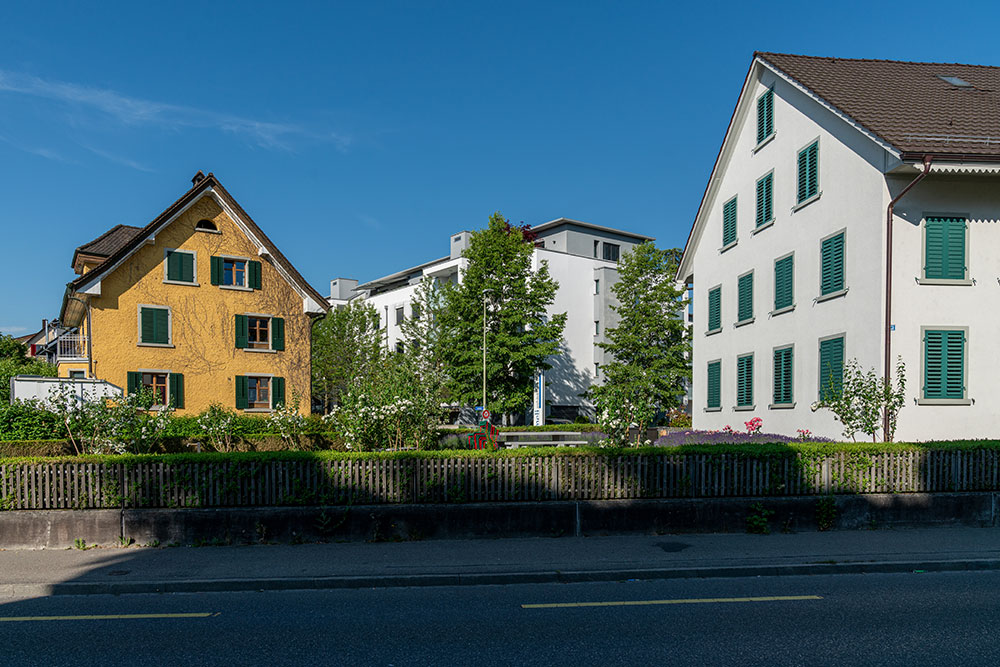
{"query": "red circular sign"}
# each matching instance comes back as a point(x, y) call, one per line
point(486, 414)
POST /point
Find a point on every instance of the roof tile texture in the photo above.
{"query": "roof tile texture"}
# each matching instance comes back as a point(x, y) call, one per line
point(908, 104)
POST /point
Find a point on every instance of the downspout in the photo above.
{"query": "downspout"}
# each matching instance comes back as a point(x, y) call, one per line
point(887, 371)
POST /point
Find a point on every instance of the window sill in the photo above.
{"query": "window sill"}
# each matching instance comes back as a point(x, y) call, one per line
point(764, 225)
point(712, 332)
point(259, 350)
point(237, 288)
point(181, 282)
point(781, 406)
point(805, 202)
point(207, 231)
point(261, 410)
point(719, 409)
point(154, 344)
point(944, 401)
point(943, 281)
point(832, 295)
point(744, 322)
point(779, 311)
point(745, 408)
point(728, 246)
point(764, 142)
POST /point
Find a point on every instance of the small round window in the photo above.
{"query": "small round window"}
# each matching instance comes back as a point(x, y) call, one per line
point(207, 225)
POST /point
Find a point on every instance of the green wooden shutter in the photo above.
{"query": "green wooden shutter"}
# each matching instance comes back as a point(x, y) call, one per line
point(254, 271)
point(242, 331)
point(808, 172)
point(831, 367)
point(784, 271)
point(277, 333)
point(177, 390)
point(161, 319)
point(147, 326)
point(745, 298)
point(944, 364)
point(174, 268)
point(242, 392)
point(832, 264)
point(744, 381)
point(216, 263)
point(765, 200)
point(134, 382)
point(783, 376)
point(715, 309)
point(187, 267)
point(729, 222)
point(944, 248)
point(277, 392)
point(714, 385)
point(765, 115)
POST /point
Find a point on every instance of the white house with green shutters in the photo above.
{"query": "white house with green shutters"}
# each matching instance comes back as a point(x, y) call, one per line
point(840, 183)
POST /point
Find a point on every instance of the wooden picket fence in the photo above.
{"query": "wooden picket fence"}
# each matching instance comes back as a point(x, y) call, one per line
point(486, 479)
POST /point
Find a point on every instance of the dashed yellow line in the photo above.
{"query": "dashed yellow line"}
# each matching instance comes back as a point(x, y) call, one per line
point(640, 603)
point(102, 617)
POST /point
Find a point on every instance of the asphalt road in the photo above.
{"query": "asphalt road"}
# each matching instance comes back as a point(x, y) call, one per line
point(894, 619)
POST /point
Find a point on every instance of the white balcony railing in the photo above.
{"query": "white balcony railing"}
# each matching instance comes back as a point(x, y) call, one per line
point(72, 346)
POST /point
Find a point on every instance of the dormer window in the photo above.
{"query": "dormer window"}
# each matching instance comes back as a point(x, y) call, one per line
point(206, 226)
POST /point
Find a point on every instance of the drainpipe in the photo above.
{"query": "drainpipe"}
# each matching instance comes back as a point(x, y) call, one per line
point(887, 372)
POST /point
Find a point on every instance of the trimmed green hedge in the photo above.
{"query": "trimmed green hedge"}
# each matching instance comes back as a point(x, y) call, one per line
point(754, 450)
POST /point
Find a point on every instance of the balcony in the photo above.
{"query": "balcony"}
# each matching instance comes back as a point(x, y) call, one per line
point(71, 347)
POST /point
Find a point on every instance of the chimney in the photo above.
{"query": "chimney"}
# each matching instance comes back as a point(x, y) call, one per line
point(198, 178)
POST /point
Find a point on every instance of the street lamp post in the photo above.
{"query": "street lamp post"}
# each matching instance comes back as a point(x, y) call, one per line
point(485, 292)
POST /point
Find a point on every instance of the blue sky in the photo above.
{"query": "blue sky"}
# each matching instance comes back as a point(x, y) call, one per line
point(360, 135)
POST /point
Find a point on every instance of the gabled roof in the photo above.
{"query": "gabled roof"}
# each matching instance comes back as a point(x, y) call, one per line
point(912, 106)
point(910, 109)
point(206, 186)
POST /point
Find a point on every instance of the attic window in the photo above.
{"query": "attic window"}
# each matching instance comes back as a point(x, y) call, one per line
point(206, 225)
point(955, 81)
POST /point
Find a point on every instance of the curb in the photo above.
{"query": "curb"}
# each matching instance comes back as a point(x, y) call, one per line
point(485, 579)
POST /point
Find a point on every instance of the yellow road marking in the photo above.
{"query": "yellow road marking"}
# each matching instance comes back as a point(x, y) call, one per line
point(639, 603)
point(102, 617)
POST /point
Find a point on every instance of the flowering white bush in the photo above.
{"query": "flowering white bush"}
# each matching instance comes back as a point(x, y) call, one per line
point(215, 423)
point(287, 422)
point(127, 424)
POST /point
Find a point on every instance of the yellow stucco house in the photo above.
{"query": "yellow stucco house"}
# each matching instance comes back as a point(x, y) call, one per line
point(198, 305)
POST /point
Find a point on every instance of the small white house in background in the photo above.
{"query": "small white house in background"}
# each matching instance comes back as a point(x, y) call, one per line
point(582, 258)
point(36, 387)
point(789, 252)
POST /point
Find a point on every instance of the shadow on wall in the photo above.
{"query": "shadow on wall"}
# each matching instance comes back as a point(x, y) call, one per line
point(565, 385)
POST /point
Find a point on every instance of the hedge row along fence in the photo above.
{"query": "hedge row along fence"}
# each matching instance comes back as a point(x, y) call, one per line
point(310, 479)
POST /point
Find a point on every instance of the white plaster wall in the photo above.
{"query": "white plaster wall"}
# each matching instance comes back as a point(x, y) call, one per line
point(853, 198)
point(974, 306)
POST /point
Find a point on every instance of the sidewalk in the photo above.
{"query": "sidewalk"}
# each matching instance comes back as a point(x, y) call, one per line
point(506, 561)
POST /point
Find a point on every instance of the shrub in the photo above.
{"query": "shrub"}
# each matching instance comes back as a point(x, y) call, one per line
point(25, 420)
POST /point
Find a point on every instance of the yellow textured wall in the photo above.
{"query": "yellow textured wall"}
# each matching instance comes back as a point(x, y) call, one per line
point(202, 317)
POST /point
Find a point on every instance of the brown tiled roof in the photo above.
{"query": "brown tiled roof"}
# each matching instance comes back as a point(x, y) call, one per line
point(197, 189)
point(107, 243)
point(908, 104)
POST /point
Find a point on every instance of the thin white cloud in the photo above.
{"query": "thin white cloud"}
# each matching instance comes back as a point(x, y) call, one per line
point(40, 151)
point(119, 159)
point(136, 111)
point(13, 330)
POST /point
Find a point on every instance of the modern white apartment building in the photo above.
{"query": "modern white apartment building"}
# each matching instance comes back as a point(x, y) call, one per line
point(582, 258)
point(853, 212)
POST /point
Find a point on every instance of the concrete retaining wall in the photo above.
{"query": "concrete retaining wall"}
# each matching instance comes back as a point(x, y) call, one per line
point(59, 528)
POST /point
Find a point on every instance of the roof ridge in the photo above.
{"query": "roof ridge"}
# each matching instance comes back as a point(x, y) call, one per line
point(871, 60)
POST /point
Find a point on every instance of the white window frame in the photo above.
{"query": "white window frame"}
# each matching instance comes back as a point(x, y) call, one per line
point(194, 261)
point(246, 273)
point(138, 325)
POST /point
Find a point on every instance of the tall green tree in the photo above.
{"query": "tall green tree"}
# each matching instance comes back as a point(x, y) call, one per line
point(520, 336)
point(649, 350)
point(346, 344)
